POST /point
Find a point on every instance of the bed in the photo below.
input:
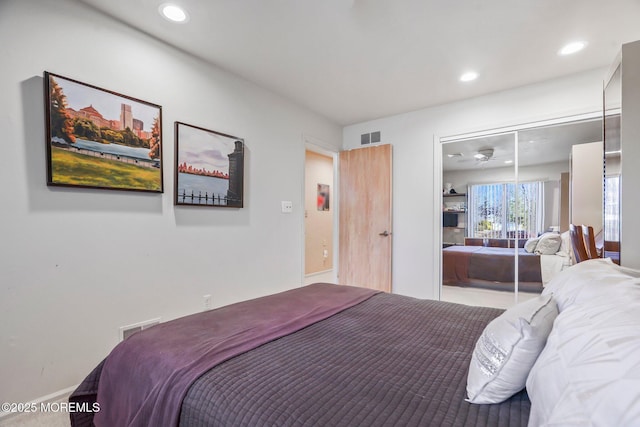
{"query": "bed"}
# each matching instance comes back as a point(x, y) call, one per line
point(493, 266)
point(324, 355)
point(490, 267)
point(330, 355)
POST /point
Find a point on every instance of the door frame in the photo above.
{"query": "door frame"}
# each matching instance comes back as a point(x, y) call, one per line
point(317, 145)
point(437, 174)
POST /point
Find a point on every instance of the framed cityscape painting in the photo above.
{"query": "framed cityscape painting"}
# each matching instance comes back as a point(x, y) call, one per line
point(97, 138)
point(209, 167)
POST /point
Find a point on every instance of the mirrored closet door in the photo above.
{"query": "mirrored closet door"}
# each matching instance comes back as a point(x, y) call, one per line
point(612, 165)
point(507, 205)
point(478, 228)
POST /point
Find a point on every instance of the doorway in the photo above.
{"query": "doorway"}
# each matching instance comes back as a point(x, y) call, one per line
point(320, 214)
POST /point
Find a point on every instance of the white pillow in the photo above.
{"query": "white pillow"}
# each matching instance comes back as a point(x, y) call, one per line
point(530, 245)
point(548, 244)
point(588, 372)
point(565, 246)
point(508, 348)
point(586, 281)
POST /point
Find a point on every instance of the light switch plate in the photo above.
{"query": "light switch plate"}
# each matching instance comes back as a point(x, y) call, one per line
point(287, 207)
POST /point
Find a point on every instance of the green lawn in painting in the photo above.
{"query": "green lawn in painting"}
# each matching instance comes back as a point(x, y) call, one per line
point(71, 168)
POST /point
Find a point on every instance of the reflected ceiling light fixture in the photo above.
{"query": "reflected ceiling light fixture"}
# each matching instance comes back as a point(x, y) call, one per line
point(173, 13)
point(508, 161)
point(572, 48)
point(484, 155)
point(454, 155)
point(469, 76)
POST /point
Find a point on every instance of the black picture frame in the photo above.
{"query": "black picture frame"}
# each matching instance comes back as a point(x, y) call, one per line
point(90, 145)
point(209, 168)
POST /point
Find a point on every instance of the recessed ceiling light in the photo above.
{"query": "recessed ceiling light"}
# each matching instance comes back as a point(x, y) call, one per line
point(173, 13)
point(469, 76)
point(572, 47)
point(508, 161)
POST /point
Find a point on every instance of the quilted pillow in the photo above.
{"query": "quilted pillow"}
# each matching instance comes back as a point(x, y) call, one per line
point(548, 244)
point(587, 374)
point(508, 348)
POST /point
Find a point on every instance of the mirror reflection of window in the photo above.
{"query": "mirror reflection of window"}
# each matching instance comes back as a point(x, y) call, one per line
point(612, 208)
point(494, 213)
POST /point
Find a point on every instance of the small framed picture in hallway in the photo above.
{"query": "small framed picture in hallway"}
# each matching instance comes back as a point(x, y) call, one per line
point(209, 167)
point(323, 197)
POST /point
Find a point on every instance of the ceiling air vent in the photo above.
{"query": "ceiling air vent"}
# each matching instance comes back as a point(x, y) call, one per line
point(375, 137)
point(372, 138)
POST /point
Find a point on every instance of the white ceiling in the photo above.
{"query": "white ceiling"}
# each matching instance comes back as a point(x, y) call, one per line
point(357, 60)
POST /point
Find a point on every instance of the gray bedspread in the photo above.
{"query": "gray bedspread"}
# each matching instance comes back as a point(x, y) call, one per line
point(388, 361)
point(145, 378)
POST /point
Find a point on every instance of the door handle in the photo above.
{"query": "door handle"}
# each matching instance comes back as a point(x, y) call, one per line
point(385, 233)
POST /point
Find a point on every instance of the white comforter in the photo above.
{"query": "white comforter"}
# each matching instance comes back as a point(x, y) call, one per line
point(550, 265)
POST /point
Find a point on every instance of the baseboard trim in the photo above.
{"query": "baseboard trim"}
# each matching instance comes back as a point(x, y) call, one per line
point(318, 273)
point(52, 397)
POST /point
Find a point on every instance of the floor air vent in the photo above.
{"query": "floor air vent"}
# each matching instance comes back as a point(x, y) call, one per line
point(127, 331)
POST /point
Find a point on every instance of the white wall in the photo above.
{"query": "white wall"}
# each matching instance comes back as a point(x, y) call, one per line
point(586, 185)
point(544, 172)
point(76, 264)
point(415, 257)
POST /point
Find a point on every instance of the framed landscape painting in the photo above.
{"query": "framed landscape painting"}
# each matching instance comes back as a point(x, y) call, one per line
point(209, 167)
point(97, 138)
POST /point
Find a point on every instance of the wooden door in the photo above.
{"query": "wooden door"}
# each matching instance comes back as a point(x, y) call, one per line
point(365, 217)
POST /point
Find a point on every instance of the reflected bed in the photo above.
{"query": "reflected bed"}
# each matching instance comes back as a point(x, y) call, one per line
point(491, 268)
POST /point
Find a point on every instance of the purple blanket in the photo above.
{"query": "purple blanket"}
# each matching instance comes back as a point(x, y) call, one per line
point(146, 377)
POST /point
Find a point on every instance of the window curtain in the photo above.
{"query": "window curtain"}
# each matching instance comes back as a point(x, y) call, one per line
point(529, 220)
point(506, 210)
point(485, 211)
point(611, 208)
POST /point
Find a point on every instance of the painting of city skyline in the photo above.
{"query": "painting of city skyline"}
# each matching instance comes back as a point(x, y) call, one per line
point(98, 138)
point(209, 167)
